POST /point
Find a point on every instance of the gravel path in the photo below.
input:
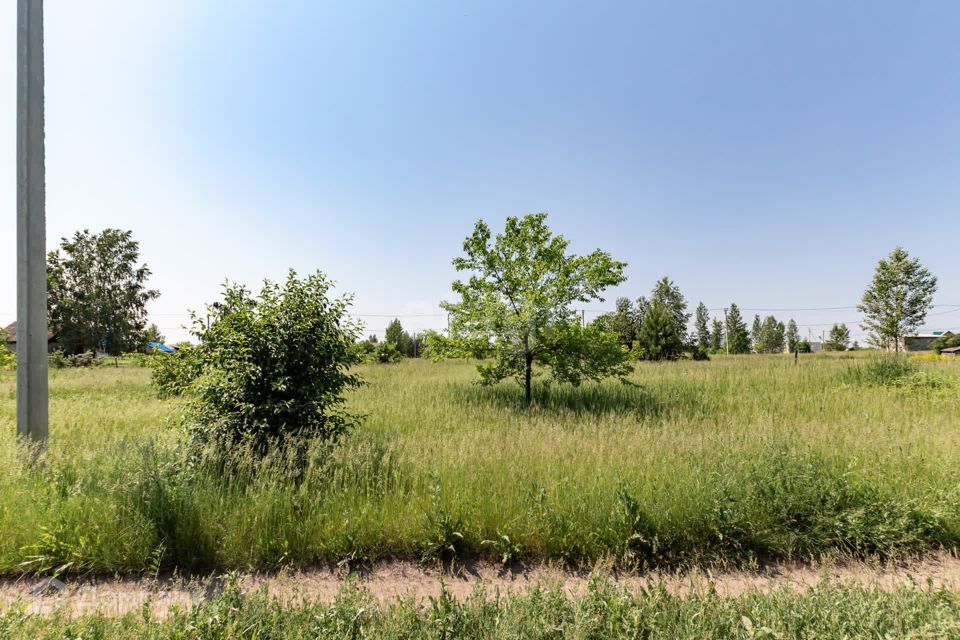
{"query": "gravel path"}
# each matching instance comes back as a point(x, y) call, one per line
point(391, 580)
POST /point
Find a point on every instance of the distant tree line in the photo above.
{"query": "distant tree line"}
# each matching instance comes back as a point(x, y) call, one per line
point(396, 345)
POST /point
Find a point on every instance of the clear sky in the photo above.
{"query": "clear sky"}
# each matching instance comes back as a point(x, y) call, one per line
point(762, 152)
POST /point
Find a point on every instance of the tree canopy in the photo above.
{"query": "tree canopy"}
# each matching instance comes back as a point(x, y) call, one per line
point(701, 327)
point(738, 339)
point(622, 321)
point(838, 339)
point(516, 306)
point(716, 336)
point(792, 336)
point(98, 292)
point(662, 334)
point(896, 302)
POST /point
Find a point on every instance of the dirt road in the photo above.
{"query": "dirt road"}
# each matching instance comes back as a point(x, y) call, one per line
point(389, 581)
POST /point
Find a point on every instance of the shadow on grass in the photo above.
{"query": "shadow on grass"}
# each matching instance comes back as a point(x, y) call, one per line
point(606, 398)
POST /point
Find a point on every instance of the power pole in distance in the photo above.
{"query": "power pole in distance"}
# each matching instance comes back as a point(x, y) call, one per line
point(32, 414)
point(726, 330)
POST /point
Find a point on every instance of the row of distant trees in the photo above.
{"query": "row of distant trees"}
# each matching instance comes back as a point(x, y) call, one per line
point(397, 344)
point(98, 294)
point(655, 328)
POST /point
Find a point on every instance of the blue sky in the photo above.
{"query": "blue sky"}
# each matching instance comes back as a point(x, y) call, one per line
point(767, 153)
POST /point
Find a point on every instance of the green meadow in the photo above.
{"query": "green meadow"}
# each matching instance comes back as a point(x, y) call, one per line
point(735, 461)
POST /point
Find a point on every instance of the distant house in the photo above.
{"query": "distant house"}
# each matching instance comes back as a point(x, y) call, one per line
point(11, 330)
point(815, 347)
point(921, 341)
point(952, 352)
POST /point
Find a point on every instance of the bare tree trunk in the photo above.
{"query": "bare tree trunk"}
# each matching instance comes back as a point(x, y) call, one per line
point(528, 369)
point(527, 376)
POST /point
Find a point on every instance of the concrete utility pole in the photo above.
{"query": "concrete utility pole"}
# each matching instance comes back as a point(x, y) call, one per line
point(31, 227)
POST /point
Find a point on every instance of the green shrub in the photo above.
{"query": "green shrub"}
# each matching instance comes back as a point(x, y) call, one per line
point(60, 360)
point(271, 368)
point(372, 352)
point(387, 353)
point(898, 373)
point(698, 353)
point(57, 360)
point(882, 372)
point(173, 373)
point(7, 358)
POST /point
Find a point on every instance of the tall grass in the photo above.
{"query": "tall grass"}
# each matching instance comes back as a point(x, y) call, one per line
point(732, 461)
point(604, 611)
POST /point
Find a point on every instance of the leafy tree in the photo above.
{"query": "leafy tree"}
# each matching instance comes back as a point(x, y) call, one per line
point(756, 335)
point(946, 341)
point(399, 338)
point(621, 322)
point(394, 332)
point(702, 327)
point(272, 368)
point(667, 294)
point(897, 300)
point(98, 293)
point(792, 335)
point(804, 346)
point(772, 335)
point(658, 338)
point(671, 307)
point(737, 335)
point(716, 336)
point(517, 304)
point(152, 334)
point(640, 311)
point(839, 338)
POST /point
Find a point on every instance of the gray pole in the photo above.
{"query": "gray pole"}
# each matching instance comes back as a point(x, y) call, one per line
point(31, 226)
point(726, 330)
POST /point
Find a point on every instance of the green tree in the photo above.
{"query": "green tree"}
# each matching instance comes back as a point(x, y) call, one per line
point(98, 293)
point(667, 294)
point(702, 327)
point(639, 312)
point(152, 334)
point(621, 321)
point(946, 341)
point(737, 335)
point(399, 338)
point(839, 338)
point(517, 305)
point(716, 336)
point(658, 338)
point(756, 335)
point(896, 302)
point(271, 368)
point(792, 336)
point(772, 335)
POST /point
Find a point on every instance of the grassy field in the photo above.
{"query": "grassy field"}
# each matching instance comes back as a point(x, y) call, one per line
point(725, 462)
point(605, 611)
